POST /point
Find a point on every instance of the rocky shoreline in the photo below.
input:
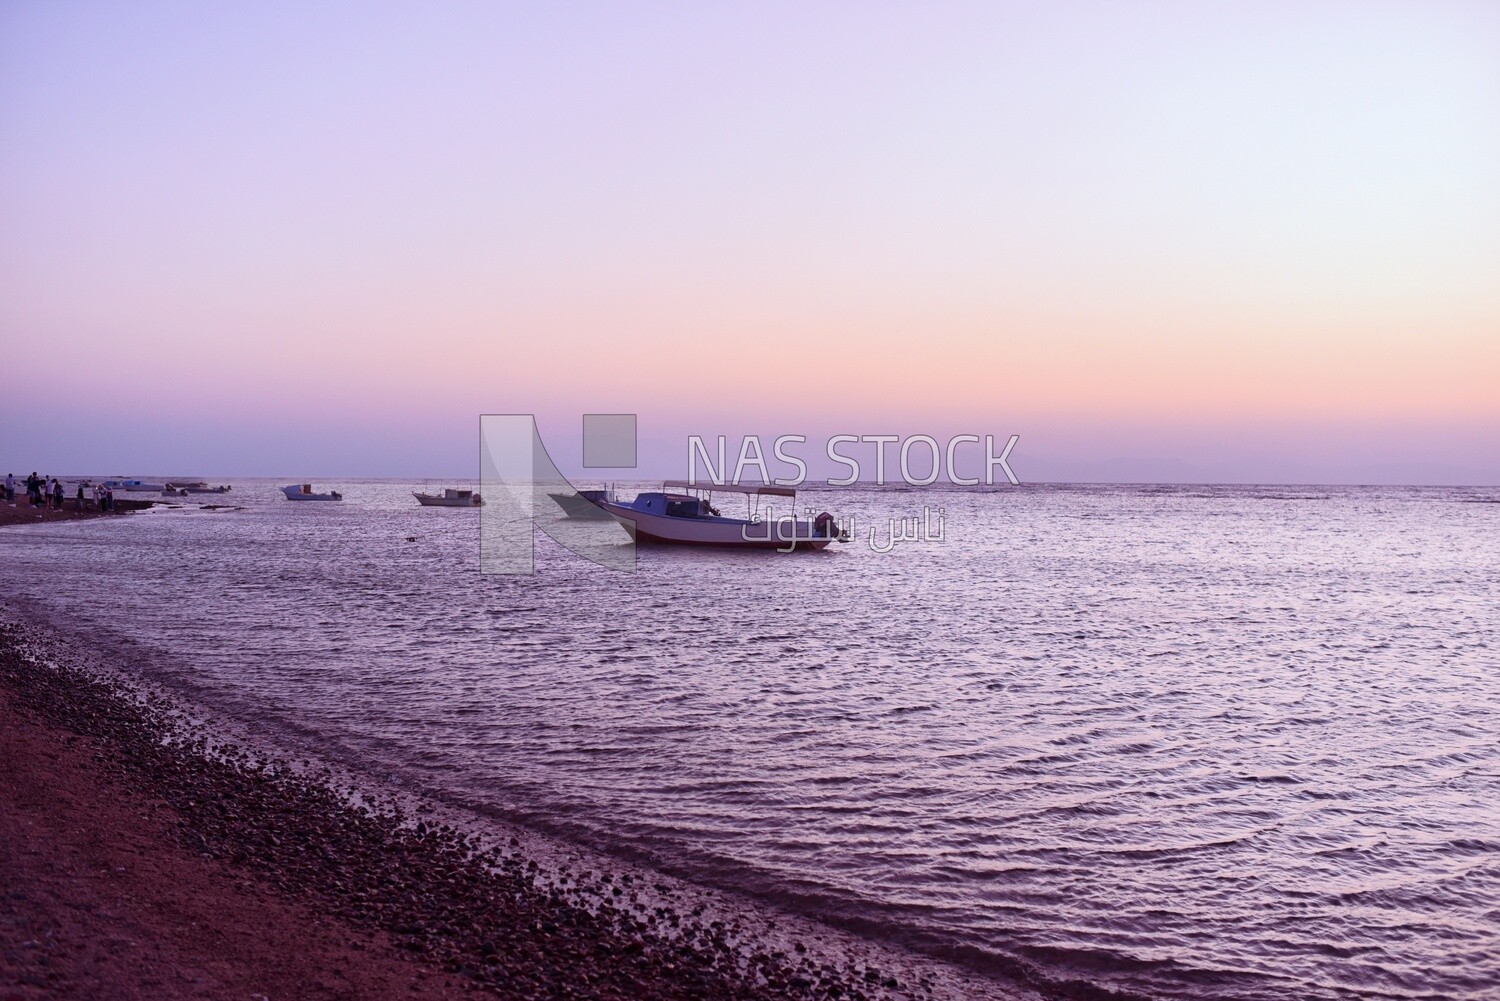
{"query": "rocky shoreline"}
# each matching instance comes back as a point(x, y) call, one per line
point(479, 915)
point(22, 512)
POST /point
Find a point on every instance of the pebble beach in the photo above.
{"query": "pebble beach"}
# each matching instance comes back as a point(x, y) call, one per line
point(148, 858)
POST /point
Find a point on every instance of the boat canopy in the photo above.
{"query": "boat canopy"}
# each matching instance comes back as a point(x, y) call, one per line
point(739, 488)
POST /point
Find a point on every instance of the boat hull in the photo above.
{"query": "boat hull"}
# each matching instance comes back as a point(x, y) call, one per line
point(450, 497)
point(298, 493)
point(719, 533)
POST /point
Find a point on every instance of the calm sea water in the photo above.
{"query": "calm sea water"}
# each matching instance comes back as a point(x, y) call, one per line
point(1177, 741)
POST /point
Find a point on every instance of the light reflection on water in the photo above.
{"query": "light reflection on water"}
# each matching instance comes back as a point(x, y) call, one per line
point(1242, 742)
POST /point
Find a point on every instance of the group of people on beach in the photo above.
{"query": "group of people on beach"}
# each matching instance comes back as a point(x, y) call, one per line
point(47, 491)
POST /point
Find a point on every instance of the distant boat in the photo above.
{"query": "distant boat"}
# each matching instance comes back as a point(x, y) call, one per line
point(682, 514)
point(450, 498)
point(582, 504)
point(195, 487)
point(135, 485)
point(304, 492)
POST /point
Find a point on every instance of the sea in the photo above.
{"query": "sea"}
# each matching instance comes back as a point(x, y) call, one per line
point(1232, 742)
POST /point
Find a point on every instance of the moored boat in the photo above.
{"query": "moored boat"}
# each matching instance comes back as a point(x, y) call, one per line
point(140, 486)
point(581, 503)
point(304, 492)
point(450, 498)
point(195, 487)
point(683, 514)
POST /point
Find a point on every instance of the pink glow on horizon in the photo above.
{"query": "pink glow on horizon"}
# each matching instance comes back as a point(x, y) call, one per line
point(1203, 226)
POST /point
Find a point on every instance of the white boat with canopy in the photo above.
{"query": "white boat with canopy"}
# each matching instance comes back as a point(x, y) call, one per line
point(450, 498)
point(682, 513)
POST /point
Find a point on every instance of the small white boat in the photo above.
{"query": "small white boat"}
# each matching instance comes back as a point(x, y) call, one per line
point(682, 514)
point(195, 487)
point(135, 485)
point(450, 498)
point(304, 492)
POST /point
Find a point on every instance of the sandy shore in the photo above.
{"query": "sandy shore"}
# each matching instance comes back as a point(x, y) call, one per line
point(142, 864)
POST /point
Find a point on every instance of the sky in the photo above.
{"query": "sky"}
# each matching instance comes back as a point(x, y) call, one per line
point(1159, 241)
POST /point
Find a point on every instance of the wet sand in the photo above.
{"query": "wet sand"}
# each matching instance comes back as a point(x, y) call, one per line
point(142, 860)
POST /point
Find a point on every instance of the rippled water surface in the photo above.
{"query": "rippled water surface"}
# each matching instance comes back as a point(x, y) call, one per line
point(1181, 742)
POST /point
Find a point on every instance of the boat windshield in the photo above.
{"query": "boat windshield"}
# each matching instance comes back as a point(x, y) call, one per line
point(683, 507)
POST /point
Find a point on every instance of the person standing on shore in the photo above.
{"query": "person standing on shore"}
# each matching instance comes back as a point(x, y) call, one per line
point(109, 498)
point(31, 489)
point(10, 488)
point(80, 496)
point(57, 493)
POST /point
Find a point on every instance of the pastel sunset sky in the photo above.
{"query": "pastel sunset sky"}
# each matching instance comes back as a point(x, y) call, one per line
point(1160, 241)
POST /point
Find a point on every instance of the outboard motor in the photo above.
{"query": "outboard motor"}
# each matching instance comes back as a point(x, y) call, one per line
point(826, 528)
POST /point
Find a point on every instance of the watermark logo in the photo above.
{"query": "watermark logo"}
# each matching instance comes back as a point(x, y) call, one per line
point(941, 460)
point(782, 532)
point(520, 481)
